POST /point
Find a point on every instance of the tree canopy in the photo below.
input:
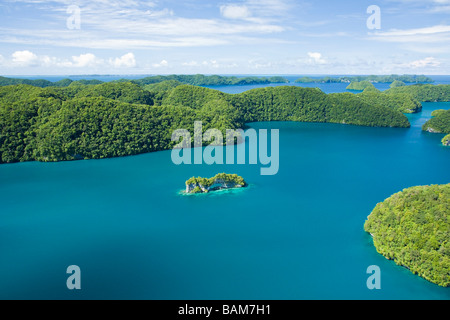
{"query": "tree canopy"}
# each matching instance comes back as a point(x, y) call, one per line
point(123, 118)
point(440, 123)
point(412, 228)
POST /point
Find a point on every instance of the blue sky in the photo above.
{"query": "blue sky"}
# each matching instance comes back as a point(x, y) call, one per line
point(63, 37)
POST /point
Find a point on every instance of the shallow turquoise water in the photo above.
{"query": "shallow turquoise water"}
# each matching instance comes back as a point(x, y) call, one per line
point(296, 235)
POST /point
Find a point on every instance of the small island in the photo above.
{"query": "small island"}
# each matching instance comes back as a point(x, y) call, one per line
point(397, 83)
point(440, 123)
point(411, 227)
point(219, 182)
point(360, 86)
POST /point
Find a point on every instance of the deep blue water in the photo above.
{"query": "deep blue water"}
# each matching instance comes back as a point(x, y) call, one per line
point(296, 235)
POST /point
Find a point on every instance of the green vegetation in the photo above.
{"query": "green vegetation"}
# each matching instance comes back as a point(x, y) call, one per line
point(412, 228)
point(446, 140)
point(397, 101)
point(437, 113)
point(163, 86)
point(397, 83)
point(45, 83)
point(219, 181)
point(122, 118)
point(372, 78)
point(214, 80)
point(312, 105)
point(425, 92)
point(196, 80)
point(360, 86)
point(306, 80)
point(440, 123)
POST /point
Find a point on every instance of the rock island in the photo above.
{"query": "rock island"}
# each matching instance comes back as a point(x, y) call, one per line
point(218, 182)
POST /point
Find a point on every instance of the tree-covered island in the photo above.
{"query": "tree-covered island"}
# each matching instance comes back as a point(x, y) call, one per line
point(88, 120)
point(218, 182)
point(440, 123)
point(360, 86)
point(123, 118)
point(412, 228)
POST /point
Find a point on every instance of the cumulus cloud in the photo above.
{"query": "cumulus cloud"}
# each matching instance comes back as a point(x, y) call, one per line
point(24, 58)
point(316, 58)
point(233, 11)
point(162, 64)
point(85, 60)
point(127, 60)
point(27, 58)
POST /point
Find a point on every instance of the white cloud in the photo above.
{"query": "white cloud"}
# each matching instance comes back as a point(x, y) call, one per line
point(439, 33)
point(424, 63)
point(412, 32)
point(159, 13)
point(88, 60)
point(316, 58)
point(24, 58)
point(132, 24)
point(235, 11)
point(191, 64)
point(162, 64)
point(128, 60)
point(85, 60)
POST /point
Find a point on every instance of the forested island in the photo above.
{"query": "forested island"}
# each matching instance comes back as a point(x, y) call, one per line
point(371, 78)
point(402, 102)
point(412, 228)
point(360, 85)
point(397, 83)
point(440, 123)
point(123, 118)
point(424, 92)
point(218, 182)
point(196, 80)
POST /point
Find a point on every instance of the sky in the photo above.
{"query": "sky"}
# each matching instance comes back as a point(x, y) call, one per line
point(258, 37)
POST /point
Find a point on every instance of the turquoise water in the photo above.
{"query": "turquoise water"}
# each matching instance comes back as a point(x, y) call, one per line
point(296, 235)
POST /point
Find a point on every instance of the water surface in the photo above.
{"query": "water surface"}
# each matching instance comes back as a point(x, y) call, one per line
point(296, 235)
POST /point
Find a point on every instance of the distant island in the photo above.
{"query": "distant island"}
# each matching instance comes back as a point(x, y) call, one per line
point(397, 83)
point(196, 80)
point(218, 182)
point(371, 78)
point(412, 228)
point(360, 85)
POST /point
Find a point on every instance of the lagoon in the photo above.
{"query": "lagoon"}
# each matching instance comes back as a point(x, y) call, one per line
point(295, 235)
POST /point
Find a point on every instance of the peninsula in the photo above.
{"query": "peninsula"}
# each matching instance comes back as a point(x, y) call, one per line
point(218, 182)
